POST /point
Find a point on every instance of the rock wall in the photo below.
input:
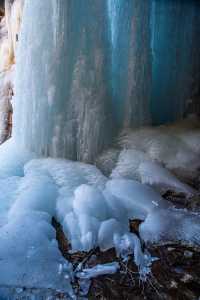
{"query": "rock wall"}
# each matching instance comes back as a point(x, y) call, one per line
point(10, 22)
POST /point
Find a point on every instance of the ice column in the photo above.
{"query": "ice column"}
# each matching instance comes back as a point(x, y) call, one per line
point(131, 30)
point(62, 103)
point(175, 46)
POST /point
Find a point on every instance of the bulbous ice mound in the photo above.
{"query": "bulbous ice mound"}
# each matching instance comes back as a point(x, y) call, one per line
point(138, 199)
point(9, 36)
point(171, 225)
point(13, 157)
point(175, 146)
point(134, 164)
point(28, 249)
point(29, 253)
point(93, 210)
point(165, 157)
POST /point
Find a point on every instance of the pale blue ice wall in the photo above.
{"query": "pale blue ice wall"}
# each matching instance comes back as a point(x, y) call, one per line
point(62, 104)
point(175, 43)
point(131, 64)
point(156, 50)
point(196, 59)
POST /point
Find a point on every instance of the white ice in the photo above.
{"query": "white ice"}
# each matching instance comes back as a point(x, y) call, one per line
point(93, 210)
point(29, 253)
point(77, 194)
point(87, 274)
point(171, 225)
point(99, 270)
point(174, 146)
point(135, 164)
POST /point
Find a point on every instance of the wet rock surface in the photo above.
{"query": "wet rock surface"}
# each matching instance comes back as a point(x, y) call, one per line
point(2, 5)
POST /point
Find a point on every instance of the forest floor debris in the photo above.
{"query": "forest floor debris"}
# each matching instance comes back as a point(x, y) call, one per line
point(175, 274)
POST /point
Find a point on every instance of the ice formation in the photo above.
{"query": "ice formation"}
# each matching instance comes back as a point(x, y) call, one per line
point(131, 83)
point(171, 225)
point(76, 194)
point(175, 72)
point(136, 164)
point(27, 205)
point(165, 157)
point(99, 270)
point(87, 274)
point(93, 210)
point(63, 108)
point(153, 79)
point(80, 117)
point(175, 147)
point(75, 112)
point(29, 253)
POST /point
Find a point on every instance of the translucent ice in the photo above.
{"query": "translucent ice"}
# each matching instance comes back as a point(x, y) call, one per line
point(93, 211)
point(139, 200)
point(168, 147)
point(29, 253)
point(90, 201)
point(129, 244)
point(171, 225)
point(107, 231)
point(99, 270)
point(8, 193)
point(65, 107)
point(135, 164)
point(12, 159)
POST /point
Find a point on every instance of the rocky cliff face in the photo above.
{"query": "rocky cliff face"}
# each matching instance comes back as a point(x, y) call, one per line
point(1, 4)
point(10, 20)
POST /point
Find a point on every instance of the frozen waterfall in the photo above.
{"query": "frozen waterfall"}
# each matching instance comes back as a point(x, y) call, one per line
point(91, 78)
point(94, 67)
point(176, 62)
point(131, 61)
point(62, 79)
